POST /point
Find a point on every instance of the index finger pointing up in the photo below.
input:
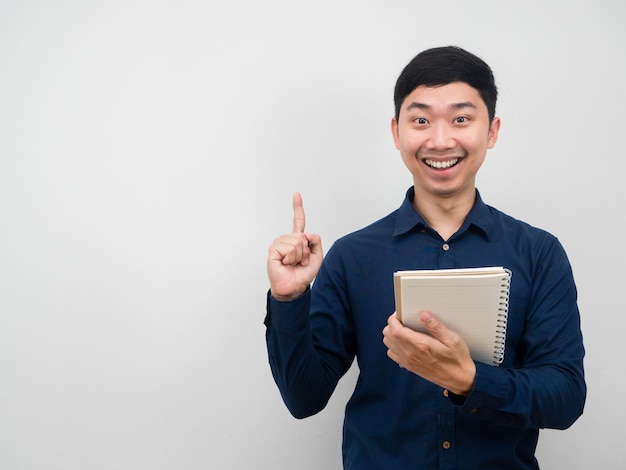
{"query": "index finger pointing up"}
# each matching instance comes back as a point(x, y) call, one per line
point(298, 213)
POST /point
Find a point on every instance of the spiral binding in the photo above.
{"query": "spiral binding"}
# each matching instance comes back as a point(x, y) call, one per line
point(498, 352)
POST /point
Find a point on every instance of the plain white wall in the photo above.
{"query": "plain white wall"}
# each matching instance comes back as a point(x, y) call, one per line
point(148, 152)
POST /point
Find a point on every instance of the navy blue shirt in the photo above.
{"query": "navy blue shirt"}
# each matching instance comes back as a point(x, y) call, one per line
point(397, 420)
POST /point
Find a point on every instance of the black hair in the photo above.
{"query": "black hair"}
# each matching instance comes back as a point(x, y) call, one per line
point(444, 65)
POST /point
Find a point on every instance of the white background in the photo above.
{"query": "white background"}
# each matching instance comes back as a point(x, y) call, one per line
point(148, 153)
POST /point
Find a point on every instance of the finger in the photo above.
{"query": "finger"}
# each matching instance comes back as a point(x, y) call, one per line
point(393, 320)
point(291, 249)
point(394, 326)
point(392, 329)
point(298, 213)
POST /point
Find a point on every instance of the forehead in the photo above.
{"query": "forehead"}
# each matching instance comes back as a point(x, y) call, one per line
point(444, 98)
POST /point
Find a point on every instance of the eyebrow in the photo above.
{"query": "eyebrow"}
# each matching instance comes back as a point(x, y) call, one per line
point(461, 105)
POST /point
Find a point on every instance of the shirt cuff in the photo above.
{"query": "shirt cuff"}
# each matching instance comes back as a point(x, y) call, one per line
point(288, 316)
point(488, 394)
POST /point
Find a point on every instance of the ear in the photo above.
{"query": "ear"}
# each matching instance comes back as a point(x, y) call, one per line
point(394, 133)
point(494, 129)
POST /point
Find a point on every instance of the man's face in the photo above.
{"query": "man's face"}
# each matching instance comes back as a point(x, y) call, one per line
point(443, 134)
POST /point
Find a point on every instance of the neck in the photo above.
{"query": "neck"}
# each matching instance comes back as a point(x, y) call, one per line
point(445, 215)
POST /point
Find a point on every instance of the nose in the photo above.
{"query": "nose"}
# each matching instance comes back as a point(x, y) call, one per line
point(440, 137)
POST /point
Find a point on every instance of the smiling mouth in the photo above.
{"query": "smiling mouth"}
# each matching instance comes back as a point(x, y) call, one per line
point(441, 165)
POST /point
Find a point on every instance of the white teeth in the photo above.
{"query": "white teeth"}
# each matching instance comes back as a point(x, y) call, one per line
point(439, 165)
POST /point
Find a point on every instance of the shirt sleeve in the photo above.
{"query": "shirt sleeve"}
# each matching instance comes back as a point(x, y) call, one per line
point(548, 390)
point(308, 361)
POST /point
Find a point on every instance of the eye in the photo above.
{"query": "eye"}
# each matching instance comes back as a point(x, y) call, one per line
point(421, 121)
point(460, 119)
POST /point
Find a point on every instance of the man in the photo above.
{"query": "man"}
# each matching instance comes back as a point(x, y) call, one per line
point(421, 401)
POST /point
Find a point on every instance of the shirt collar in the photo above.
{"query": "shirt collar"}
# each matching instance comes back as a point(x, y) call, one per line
point(408, 218)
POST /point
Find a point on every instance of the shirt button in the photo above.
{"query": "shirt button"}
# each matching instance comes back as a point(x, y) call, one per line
point(446, 445)
point(445, 247)
point(445, 393)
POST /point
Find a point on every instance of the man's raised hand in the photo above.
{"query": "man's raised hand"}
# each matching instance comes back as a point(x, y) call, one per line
point(294, 259)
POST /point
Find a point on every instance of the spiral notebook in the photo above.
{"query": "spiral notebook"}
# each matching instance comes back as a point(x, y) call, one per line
point(473, 302)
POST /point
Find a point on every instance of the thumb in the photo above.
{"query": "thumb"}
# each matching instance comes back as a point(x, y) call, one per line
point(434, 326)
